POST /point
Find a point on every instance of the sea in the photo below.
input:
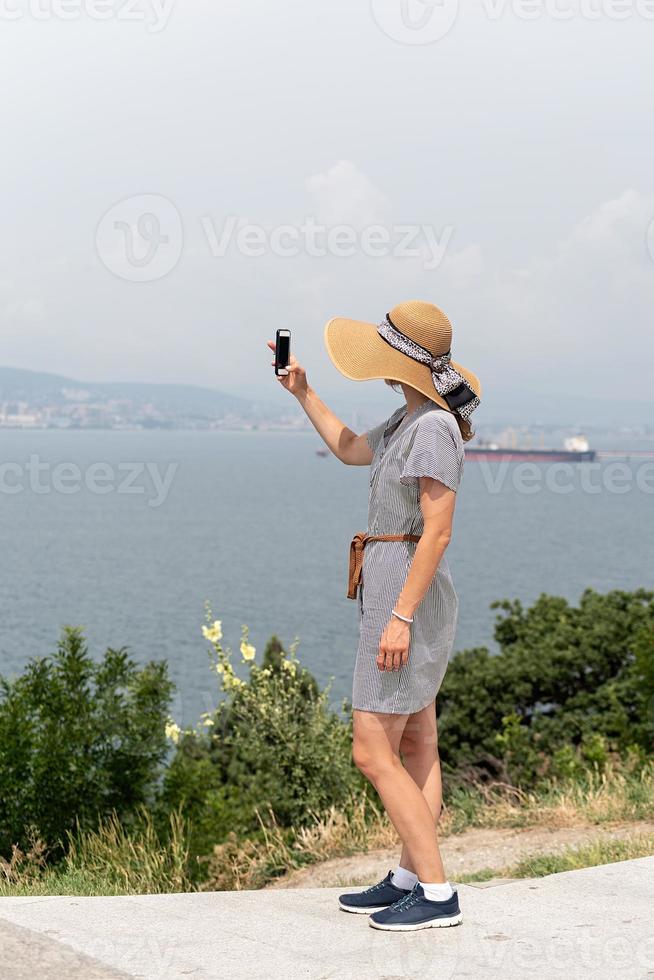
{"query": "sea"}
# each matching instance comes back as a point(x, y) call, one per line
point(129, 533)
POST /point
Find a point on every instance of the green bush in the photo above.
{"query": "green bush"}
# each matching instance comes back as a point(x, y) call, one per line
point(79, 740)
point(272, 745)
point(569, 684)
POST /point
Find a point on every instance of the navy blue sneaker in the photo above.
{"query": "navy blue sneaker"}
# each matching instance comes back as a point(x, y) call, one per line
point(375, 898)
point(414, 911)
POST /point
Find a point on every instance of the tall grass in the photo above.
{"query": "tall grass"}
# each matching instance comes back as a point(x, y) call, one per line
point(108, 861)
point(620, 793)
point(236, 865)
point(115, 861)
point(623, 791)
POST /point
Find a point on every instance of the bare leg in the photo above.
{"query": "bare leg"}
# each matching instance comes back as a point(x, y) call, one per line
point(376, 748)
point(419, 752)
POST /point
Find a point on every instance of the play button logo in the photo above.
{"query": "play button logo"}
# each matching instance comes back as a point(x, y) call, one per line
point(415, 21)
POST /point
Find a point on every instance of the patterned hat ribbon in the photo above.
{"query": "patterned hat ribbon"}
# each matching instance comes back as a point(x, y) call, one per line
point(449, 384)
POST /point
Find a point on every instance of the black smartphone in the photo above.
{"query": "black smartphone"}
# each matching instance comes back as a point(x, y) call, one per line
point(282, 351)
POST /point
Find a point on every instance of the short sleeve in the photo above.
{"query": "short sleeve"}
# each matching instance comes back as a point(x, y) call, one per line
point(436, 451)
point(374, 435)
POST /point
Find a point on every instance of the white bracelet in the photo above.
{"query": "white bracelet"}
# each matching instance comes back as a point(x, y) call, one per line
point(405, 619)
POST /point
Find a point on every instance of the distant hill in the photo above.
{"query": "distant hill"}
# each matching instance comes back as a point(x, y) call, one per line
point(39, 389)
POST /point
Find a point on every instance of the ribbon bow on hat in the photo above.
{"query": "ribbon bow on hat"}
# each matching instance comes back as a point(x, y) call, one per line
point(449, 384)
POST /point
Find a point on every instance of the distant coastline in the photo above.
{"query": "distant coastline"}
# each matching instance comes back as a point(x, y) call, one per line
point(217, 425)
point(38, 401)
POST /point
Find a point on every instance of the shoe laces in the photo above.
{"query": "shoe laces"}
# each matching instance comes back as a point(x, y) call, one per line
point(406, 902)
point(375, 888)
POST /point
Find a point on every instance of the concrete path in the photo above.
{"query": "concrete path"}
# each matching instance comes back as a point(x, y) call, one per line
point(597, 923)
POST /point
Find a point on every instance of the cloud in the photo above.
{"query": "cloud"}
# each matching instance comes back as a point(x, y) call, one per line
point(560, 323)
point(563, 323)
point(611, 243)
point(345, 195)
point(464, 268)
point(602, 266)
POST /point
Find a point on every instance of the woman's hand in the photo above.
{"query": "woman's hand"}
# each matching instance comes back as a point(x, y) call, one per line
point(394, 645)
point(296, 379)
point(345, 444)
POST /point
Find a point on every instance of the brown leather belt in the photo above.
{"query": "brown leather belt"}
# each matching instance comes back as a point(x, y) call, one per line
point(357, 545)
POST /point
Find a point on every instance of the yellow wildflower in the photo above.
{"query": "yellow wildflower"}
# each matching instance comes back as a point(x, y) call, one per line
point(173, 731)
point(233, 682)
point(248, 652)
point(213, 633)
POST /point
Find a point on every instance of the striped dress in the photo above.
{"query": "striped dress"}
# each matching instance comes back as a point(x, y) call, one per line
point(426, 442)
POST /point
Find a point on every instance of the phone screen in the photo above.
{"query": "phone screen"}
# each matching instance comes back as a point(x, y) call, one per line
point(283, 349)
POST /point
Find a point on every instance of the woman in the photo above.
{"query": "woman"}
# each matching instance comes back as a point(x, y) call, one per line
point(406, 600)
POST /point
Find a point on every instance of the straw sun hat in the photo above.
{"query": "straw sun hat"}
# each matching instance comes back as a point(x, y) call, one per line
point(412, 345)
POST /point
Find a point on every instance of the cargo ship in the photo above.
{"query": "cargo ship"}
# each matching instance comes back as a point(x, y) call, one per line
point(575, 450)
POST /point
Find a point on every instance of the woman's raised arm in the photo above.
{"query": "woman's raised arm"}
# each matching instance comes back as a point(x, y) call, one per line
point(345, 444)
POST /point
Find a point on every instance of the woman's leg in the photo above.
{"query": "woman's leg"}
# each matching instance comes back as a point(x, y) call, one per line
point(419, 753)
point(376, 749)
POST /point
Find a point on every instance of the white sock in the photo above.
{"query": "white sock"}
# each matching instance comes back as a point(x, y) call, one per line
point(402, 878)
point(437, 891)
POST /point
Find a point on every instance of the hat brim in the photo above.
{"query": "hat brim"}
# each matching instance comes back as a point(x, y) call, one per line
point(359, 353)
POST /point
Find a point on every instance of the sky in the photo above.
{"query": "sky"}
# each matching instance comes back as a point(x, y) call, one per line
point(182, 177)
